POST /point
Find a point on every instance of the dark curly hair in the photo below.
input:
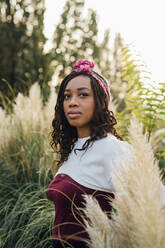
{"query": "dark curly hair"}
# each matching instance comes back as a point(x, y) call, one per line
point(64, 135)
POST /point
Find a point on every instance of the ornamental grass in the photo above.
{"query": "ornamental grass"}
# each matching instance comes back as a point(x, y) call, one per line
point(26, 165)
point(139, 217)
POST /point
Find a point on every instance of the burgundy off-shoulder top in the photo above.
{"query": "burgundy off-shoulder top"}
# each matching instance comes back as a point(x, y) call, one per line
point(67, 196)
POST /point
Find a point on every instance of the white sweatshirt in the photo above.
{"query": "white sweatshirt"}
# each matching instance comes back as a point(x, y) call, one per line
point(94, 168)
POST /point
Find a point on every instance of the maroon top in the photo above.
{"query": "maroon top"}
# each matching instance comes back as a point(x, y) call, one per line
point(67, 197)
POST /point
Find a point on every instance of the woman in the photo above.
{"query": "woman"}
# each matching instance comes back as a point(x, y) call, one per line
point(89, 148)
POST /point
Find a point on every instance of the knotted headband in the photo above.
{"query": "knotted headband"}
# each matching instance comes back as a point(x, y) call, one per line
point(83, 65)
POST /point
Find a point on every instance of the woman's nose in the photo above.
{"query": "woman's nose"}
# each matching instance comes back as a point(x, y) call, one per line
point(73, 101)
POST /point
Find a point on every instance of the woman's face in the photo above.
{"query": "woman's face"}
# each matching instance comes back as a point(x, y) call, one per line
point(79, 104)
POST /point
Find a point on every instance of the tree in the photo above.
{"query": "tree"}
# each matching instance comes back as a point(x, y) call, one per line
point(75, 37)
point(22, 57)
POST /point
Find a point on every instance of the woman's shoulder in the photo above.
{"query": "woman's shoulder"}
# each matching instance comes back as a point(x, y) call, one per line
point(110, 140)
point(112, 145)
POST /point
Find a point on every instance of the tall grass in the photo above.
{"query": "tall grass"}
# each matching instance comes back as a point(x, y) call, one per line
point(139, 217)
point(26, 165)
point(26, 217)
point(5, 125)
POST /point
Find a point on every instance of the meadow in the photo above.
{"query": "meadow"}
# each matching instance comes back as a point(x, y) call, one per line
point(26, 166)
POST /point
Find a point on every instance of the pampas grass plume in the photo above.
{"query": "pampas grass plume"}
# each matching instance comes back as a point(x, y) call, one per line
point(28, 110)
point(139, 219)
point(29, 115)
point(5, 128)
point(99, 227)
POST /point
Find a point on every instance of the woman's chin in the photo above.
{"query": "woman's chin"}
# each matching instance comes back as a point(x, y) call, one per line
point(75, 123)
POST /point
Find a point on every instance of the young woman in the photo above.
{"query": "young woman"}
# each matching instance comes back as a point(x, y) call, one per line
point(89, 148)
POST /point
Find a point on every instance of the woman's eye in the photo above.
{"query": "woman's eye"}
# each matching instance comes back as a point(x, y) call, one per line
point(83, 94)
point(67, 96)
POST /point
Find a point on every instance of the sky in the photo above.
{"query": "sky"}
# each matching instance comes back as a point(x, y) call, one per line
point(141, 24)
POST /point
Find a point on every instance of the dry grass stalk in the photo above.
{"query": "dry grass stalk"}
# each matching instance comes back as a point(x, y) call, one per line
point(6, 126)
point(140, 218)
point(100, 226)
point(49, 108)
point(113, 105)
point(29, 115)
point(28, 111)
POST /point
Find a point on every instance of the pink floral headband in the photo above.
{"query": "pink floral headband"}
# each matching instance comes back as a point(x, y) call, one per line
point(83, 65)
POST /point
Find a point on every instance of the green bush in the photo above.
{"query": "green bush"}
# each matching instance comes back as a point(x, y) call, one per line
point(26, 214)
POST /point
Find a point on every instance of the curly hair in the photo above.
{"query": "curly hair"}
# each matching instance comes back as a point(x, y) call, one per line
point(64, 135)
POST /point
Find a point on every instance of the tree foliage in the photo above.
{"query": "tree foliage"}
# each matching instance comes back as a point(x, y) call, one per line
point(144, 98)
point(22, 57)
point(76, 36)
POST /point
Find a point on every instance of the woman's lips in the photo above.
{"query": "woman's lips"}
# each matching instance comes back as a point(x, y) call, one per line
point(74, 115)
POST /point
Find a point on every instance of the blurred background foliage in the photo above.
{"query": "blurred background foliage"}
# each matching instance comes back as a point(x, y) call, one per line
point(27, 100)
point(22, 57)
point(23, 60)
